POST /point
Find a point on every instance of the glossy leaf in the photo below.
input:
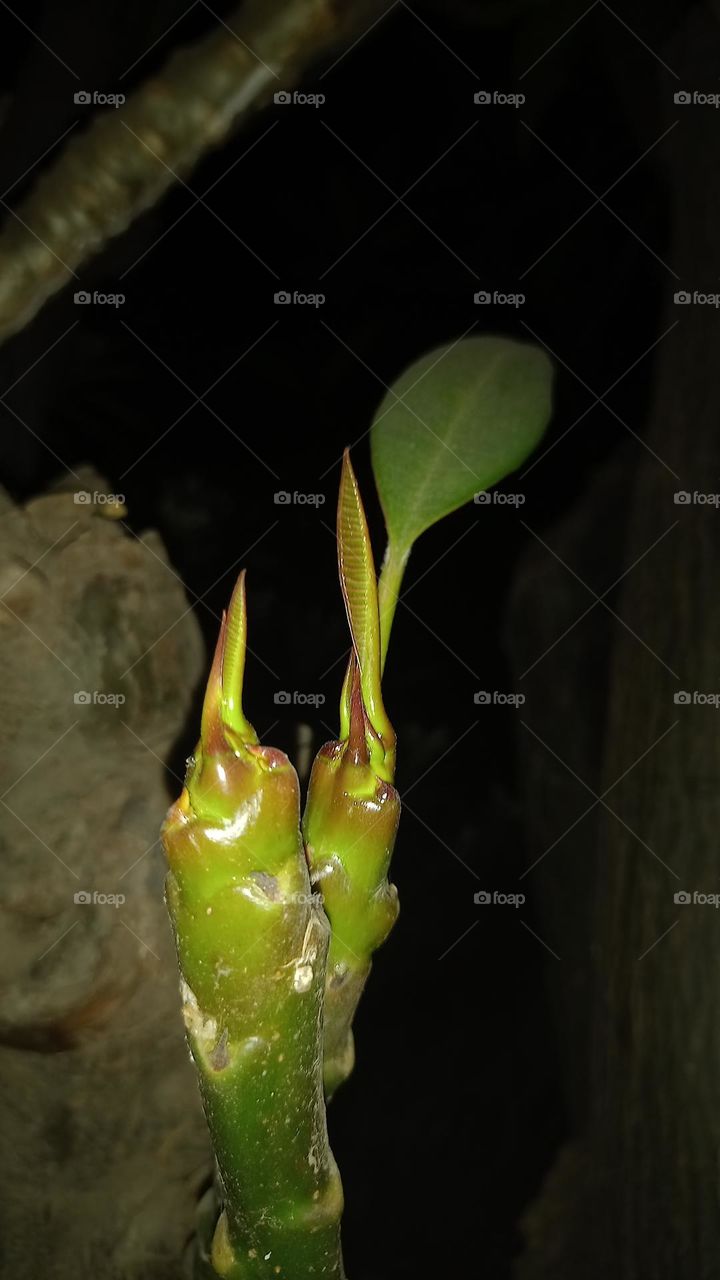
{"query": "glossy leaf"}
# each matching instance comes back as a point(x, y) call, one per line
point(454, 423)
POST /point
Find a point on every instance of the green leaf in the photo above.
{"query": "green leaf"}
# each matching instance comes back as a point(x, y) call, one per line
point(359, 588)
point(457, 421)
point(357, 576)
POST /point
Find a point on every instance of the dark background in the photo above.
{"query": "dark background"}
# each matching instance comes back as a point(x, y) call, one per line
point(454, 1112)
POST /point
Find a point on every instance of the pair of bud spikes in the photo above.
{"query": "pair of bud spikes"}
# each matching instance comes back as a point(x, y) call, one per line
point(275, 925)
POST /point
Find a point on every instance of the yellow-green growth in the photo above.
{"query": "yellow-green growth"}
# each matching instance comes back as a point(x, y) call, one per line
point(353, 810)
point(252, 944)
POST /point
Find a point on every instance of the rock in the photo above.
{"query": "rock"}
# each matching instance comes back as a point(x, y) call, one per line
point(106, 1144)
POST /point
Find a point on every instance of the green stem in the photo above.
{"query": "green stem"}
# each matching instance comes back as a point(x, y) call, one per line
point(391, 577)
point(252, 943)
point(350, 824)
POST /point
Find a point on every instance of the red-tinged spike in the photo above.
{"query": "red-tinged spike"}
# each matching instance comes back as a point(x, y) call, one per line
point(357, 727)
point(212, 733)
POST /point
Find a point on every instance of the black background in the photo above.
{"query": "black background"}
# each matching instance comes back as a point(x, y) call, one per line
point(454, 1111)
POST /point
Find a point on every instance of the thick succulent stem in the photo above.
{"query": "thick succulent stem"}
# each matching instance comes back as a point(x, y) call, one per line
point(252, 943)
point(350, 824)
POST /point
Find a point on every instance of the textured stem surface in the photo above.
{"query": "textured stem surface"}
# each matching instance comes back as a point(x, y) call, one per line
point(350, 825)
point(252, 944)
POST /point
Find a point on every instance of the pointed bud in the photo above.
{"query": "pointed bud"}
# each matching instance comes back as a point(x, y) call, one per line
point(230, 769)
point(232, 839)
point(233, 666)
point(359, 588)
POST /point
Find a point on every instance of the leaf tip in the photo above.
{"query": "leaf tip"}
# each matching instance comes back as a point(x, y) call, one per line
point(233, 663)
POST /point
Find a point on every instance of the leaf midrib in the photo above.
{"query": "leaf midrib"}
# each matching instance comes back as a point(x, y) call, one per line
point(453, 423)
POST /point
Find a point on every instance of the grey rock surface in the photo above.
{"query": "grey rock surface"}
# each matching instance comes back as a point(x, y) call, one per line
point(105, 1142)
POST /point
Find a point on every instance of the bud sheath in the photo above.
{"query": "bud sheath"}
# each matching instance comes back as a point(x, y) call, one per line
point(252, 944)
